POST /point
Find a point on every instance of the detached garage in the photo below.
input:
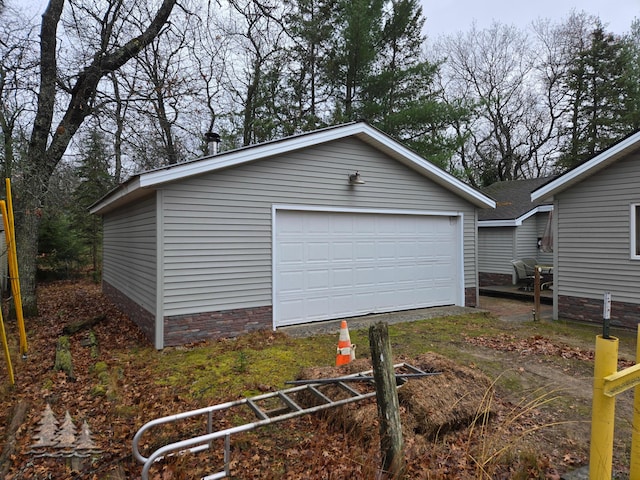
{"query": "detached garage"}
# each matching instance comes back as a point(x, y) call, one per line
point(330, 224)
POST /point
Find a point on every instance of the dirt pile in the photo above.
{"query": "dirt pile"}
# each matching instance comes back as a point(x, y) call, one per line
point(430, 406)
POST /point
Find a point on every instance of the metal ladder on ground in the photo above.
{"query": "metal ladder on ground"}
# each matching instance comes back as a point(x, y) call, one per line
point(285, 408)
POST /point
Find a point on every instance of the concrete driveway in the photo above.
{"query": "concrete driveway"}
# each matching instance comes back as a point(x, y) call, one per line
point(504, 308)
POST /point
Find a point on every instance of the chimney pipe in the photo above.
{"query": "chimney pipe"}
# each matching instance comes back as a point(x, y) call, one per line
point(212, 139)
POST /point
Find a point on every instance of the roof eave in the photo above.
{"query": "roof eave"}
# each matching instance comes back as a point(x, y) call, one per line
point(361, 130)
point(588, 168)
point(515, 222)
point(121, 195)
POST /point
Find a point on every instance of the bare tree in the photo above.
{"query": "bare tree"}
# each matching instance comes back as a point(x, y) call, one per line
point(515, 108)
point(258, 36)
point(18, 62)
point(54, 127)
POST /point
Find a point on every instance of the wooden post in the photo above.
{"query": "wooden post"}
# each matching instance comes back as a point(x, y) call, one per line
point(391, 441)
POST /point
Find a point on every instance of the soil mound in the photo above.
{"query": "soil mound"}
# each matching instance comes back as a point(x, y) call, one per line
point(429, 406)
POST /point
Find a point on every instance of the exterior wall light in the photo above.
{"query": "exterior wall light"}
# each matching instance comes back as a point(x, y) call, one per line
point(354, 179)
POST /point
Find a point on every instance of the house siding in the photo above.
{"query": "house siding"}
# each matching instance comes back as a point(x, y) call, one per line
point(594, 241)
point(217, 227)
point(526, 239)
point(496, 245)
point(130, 259)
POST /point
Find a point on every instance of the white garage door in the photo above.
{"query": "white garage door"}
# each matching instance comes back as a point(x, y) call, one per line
point(336, 265)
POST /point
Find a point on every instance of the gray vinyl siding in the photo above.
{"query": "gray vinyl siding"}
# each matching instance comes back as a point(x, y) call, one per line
point(217, 227)
point(129, 256)
point(527, 239)
point(594, 235)
point(496, 249)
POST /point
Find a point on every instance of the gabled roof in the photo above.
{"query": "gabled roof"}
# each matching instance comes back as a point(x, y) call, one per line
point(588, 168)
point(142, 183)
point(513, 202)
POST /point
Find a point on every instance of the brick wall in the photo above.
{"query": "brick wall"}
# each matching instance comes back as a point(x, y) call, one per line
point(490, 279)
point(471, 297)
point(181, 329)
point(590, 310)
point(141, 317)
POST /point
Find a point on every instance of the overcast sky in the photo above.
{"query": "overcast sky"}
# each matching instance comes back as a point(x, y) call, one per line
point(451, 16)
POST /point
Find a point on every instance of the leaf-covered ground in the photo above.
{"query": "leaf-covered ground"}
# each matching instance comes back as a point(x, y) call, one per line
point(538, 429)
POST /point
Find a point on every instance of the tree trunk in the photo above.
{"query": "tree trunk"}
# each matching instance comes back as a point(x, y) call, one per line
point(28, 213)
point(391, 441)
point(47, 145)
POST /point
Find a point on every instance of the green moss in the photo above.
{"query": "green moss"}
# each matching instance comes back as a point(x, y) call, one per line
point(99, 367)
point(99, 391)
point(64, 361)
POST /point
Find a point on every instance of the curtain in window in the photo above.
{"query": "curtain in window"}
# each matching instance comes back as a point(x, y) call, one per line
point(546, 244)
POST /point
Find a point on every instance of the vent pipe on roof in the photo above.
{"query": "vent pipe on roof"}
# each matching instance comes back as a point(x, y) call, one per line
point(212, 139)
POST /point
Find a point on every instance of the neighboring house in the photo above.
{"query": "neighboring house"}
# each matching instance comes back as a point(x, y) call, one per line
point(512, 231)
point(282, 233)
point(597, 235)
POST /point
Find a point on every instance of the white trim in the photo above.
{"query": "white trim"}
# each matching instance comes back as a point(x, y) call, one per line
point(579, 173)
point(328, 209)
point(361, 130)
point(126, 189)
point(391, 211)
point(159, 314)
point(633, 237)
point(517, 221)
point(461, 283)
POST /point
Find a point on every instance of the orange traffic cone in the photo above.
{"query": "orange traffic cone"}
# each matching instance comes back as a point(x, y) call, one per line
point(346, 351)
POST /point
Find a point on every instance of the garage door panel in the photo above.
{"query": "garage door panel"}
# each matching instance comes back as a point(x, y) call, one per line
point(317, 252)
point(291, 252)
point(342, 251)
point(333, 265)
point(317, 279)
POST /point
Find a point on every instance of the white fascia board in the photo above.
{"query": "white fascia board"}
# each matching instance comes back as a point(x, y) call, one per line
point(515, 222)
point(123, 191)
point(588, 168)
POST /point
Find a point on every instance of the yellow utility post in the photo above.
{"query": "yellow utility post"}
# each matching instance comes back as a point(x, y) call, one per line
point(7, 355)
point(10, 235)
point(603, 411)
point(607, 383)
point(634, 467)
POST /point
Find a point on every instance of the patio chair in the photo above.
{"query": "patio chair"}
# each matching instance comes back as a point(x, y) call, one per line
point(530, 265)
point(522, 277)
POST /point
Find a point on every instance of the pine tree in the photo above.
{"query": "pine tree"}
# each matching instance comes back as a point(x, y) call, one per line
point(358, 29)
point(399, 95)
point(600, 89)
point(310, 25)
point(94, 182)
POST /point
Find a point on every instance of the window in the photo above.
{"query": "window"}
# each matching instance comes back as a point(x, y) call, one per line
point(635, 231)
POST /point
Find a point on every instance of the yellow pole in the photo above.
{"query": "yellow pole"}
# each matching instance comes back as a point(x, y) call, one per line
point(603, 411)
point(634, 468)
point(15, 285)
point(7, 355)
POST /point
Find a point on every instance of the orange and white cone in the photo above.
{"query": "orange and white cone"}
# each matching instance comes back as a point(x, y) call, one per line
point(346, 351)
